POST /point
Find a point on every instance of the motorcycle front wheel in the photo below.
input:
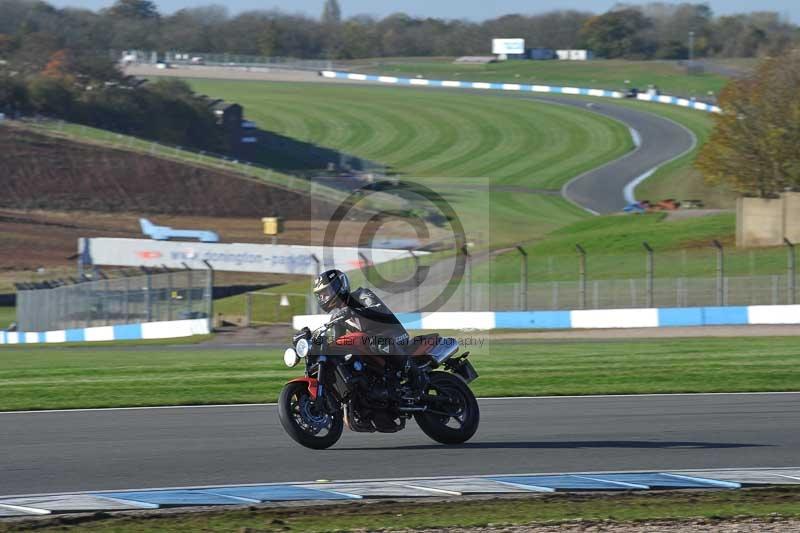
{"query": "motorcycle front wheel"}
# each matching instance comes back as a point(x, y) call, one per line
point(463, 417)
point(304, 420)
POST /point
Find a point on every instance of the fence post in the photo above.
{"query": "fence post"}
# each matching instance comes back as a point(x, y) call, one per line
point(792, 285)
point(169, 296)
point(210, 295)
point(417, 281)
point(582, 276)
point(468, 277)
point(248, 309)
point(318, 264)
point(126, 301)
point(367, 267)
point(148, 297)
point(649, 270)
point(190, 290)
point(523, 276)
point(720, 273)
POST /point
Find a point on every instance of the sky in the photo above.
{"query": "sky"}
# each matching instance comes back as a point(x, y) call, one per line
point(469, 9)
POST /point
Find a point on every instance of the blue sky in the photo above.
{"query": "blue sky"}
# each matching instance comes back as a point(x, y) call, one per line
point(471, 9)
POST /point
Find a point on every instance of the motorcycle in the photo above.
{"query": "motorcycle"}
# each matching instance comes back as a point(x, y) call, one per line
point(347, 383)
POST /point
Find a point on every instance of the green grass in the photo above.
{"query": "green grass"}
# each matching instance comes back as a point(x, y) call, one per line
point(43, 378)
point(479, 139)
point(265, 305)
point(675, 180)
point(426, 133)
point(593, 510)
point(599, 74)
point(7, 316)
point(615, 251)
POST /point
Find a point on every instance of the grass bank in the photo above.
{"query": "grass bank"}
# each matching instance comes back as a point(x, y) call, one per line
point(433, 134)
point(649, 510)
point(75, 377)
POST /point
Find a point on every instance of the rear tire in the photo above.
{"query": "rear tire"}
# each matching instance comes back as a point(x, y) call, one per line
point(438, 427)
point(302, 422)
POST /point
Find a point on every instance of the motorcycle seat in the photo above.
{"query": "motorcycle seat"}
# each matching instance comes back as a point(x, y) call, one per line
point(422, 344)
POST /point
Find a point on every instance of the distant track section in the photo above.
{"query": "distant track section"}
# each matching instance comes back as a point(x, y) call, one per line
point(517, 87)
point(660, 140)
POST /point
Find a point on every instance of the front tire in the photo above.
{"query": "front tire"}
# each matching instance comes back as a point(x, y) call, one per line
point(462, 425)
point(304, 422)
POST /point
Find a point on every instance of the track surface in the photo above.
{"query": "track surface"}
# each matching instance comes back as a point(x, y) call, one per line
point(600, 190)
point(119, 449)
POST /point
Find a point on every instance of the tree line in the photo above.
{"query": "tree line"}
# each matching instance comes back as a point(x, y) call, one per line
point(653, 30)
point(753, 148)
point(52, 63)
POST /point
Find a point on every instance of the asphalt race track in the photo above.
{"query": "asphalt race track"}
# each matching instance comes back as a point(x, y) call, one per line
point(661, 140)
point(50, 452)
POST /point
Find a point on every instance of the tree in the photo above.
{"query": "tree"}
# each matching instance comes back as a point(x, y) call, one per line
point(134, 9)
point(617, 34)
point(51, 96)
point(331, 13)
point(753, 147)
point(13, 95)
point(59, 65)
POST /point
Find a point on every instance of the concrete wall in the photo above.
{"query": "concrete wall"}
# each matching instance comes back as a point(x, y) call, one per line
point(766, 222)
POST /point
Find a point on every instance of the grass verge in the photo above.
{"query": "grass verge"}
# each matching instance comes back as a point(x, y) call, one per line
point(712, 507)
point(7, 316)
point(82, 377)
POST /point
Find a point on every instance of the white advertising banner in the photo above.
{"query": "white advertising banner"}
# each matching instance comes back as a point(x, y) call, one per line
point(234, 257)
point(508, 46)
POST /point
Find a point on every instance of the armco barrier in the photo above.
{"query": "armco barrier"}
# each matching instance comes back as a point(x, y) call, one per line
point(125, 332)
point(593, 319)
point(517, 87)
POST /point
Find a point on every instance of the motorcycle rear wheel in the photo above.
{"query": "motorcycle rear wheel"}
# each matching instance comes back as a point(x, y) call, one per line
point(302, 420)
point(451, 429)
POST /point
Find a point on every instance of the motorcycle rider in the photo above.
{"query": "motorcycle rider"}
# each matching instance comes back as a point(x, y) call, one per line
point(361, 310)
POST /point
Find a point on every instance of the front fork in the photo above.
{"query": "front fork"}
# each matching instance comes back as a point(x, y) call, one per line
point(320, 378)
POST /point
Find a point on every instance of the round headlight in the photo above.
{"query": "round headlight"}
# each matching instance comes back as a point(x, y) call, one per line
point(290, 357)
point(302, 347)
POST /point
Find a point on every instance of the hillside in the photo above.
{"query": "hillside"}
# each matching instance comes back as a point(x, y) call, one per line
point(44, 172)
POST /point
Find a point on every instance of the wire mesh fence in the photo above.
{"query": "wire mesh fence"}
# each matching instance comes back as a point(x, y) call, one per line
point(150, 298)
point(707, 276)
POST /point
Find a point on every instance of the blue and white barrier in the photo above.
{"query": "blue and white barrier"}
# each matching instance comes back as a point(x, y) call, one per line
point(681, 102)
point(517, 87)
point(590, 319)
point(124, 332)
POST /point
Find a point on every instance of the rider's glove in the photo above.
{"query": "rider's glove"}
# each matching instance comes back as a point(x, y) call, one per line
point(339, 314)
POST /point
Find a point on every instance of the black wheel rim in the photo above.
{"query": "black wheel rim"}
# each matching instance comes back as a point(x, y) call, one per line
point(307, 416)
point(457, 406)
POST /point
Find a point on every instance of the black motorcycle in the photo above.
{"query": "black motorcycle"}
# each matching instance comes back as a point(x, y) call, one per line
point(348, 382)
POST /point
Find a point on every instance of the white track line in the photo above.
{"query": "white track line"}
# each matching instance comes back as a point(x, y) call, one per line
point(491, 399)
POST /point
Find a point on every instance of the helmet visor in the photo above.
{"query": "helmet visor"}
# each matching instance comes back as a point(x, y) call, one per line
point(325, 295)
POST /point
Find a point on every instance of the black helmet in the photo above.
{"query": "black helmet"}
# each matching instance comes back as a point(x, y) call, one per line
point(331, 289)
